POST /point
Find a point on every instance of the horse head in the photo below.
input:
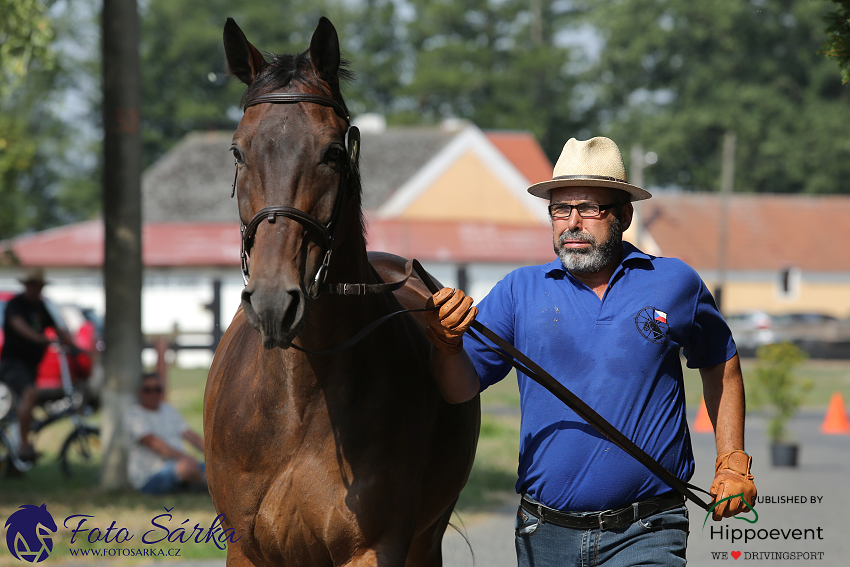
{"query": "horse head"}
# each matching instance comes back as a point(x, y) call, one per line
point(296, 180)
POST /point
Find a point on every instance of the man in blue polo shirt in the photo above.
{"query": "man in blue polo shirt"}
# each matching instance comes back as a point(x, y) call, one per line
point(609, 322)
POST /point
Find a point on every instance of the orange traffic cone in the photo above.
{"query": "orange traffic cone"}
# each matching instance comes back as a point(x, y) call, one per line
point(702, 424)
point(835, 422)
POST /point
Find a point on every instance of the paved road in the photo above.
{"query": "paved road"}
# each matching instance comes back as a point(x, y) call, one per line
point(824, 473)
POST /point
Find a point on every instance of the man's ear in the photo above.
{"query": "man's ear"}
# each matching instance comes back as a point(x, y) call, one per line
point(628, 213)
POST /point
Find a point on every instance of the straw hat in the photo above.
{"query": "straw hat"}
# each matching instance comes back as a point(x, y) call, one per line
point(592, 163)
point(34, 275)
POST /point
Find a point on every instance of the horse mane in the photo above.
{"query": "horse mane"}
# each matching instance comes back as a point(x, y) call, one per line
point(287, 69)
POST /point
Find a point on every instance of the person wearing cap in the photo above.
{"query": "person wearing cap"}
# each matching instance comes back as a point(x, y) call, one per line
point(26, 318)
point(609, 322)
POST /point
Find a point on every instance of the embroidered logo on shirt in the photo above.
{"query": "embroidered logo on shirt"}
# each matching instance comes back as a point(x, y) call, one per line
point(652, 324)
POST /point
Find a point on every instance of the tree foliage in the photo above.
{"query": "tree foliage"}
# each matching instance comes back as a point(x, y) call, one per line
point(26, 35)
point(26, 58)
point(184, 85)
point(777, 386)
point(669, 75)
point(838, 30)
point(497, 64)
point(674, 75)
point(494, 63)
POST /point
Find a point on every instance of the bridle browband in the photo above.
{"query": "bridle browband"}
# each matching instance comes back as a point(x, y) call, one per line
point(324, 232)
point(291, 98)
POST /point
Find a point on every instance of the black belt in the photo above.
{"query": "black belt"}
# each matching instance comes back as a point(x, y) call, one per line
point(608, 519)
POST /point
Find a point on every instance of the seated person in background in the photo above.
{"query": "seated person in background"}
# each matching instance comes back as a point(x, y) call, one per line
point(157, 462)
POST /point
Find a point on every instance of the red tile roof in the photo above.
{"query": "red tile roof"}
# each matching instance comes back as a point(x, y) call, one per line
point(217, 244)
point(522, 149)
point(163, 244)
point(766, 232)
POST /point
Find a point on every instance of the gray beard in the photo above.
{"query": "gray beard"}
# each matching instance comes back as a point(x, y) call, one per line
point(595, 258)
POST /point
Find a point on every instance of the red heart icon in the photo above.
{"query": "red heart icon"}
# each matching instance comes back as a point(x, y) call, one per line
point(736, 555)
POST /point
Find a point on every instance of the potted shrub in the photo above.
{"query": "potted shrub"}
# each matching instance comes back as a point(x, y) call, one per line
point(781, 392)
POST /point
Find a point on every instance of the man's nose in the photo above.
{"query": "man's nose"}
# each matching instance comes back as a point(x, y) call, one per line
point(574, 220)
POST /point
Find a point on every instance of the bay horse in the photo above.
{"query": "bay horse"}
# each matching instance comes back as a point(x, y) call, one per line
point(351, 458)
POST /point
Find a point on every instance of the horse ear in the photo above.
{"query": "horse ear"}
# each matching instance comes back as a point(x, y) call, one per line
point(324, 51)
point(243, 59)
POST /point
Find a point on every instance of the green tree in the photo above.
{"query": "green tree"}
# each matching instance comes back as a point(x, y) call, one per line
point(374, 43)
point(778, 388)
point(26, 35)
point(498, 64)
point(45, 167)
point(26, 58)
point(838, 45)
point(184, 84)
point(674, 75)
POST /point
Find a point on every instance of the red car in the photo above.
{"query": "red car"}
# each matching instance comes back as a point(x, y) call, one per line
point(85, 333)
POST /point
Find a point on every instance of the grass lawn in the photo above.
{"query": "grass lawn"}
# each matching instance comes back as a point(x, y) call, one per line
point(828, 376)
point(491, 482)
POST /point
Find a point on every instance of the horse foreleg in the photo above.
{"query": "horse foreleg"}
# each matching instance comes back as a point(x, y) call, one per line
point(235, 557)
point(426, 550)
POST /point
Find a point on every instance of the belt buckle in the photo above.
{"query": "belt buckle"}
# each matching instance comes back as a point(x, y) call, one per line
point(353, 289)
point(601, 518)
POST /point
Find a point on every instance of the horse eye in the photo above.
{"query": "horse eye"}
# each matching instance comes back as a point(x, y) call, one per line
point(334, 154)
point(236, 154)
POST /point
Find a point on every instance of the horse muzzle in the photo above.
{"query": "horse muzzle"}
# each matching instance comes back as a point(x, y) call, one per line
point(278, 315)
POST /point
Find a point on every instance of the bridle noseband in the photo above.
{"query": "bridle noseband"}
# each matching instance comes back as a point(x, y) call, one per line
point(325, 232)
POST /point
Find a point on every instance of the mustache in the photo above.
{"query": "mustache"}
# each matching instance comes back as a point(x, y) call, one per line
point(576, 235)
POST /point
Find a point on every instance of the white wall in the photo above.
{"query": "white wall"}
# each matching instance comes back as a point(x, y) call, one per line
point(481, 277)
point(174, 299)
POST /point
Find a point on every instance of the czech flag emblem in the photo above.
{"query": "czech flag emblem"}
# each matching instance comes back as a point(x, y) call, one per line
point(660, 316)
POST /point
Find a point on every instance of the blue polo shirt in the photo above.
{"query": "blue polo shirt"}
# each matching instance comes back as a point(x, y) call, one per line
point(621, 356)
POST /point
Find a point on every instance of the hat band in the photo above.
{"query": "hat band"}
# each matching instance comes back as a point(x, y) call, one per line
point(593, 177)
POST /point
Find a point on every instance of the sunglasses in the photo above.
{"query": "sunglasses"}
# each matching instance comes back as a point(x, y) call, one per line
point(152, 390)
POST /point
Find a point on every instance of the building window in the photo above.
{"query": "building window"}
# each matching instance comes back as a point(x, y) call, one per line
point(788, 284)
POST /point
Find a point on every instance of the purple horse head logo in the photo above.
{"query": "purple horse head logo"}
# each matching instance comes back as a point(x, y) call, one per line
point(28, 533)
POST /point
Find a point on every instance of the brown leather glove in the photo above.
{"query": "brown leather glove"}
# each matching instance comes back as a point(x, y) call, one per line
point(732, 477)
point(448, 323)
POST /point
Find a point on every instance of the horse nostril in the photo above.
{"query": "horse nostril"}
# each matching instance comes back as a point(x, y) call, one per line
point(248, 308)
point(292, 308)
point(246, 300)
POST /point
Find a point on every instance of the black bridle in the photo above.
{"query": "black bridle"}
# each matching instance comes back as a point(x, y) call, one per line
point(324, 232)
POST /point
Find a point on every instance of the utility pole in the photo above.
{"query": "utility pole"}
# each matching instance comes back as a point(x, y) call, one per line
point(637, 162)
point(122, 259)
point(727, 180)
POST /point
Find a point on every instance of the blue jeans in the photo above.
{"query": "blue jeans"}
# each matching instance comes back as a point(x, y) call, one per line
point(660, 539)
point(166, 480)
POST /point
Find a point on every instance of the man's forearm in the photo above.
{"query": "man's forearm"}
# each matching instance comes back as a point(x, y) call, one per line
point(160, 447)
point(455, 376)
point(723, 388)
point(22, 328)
